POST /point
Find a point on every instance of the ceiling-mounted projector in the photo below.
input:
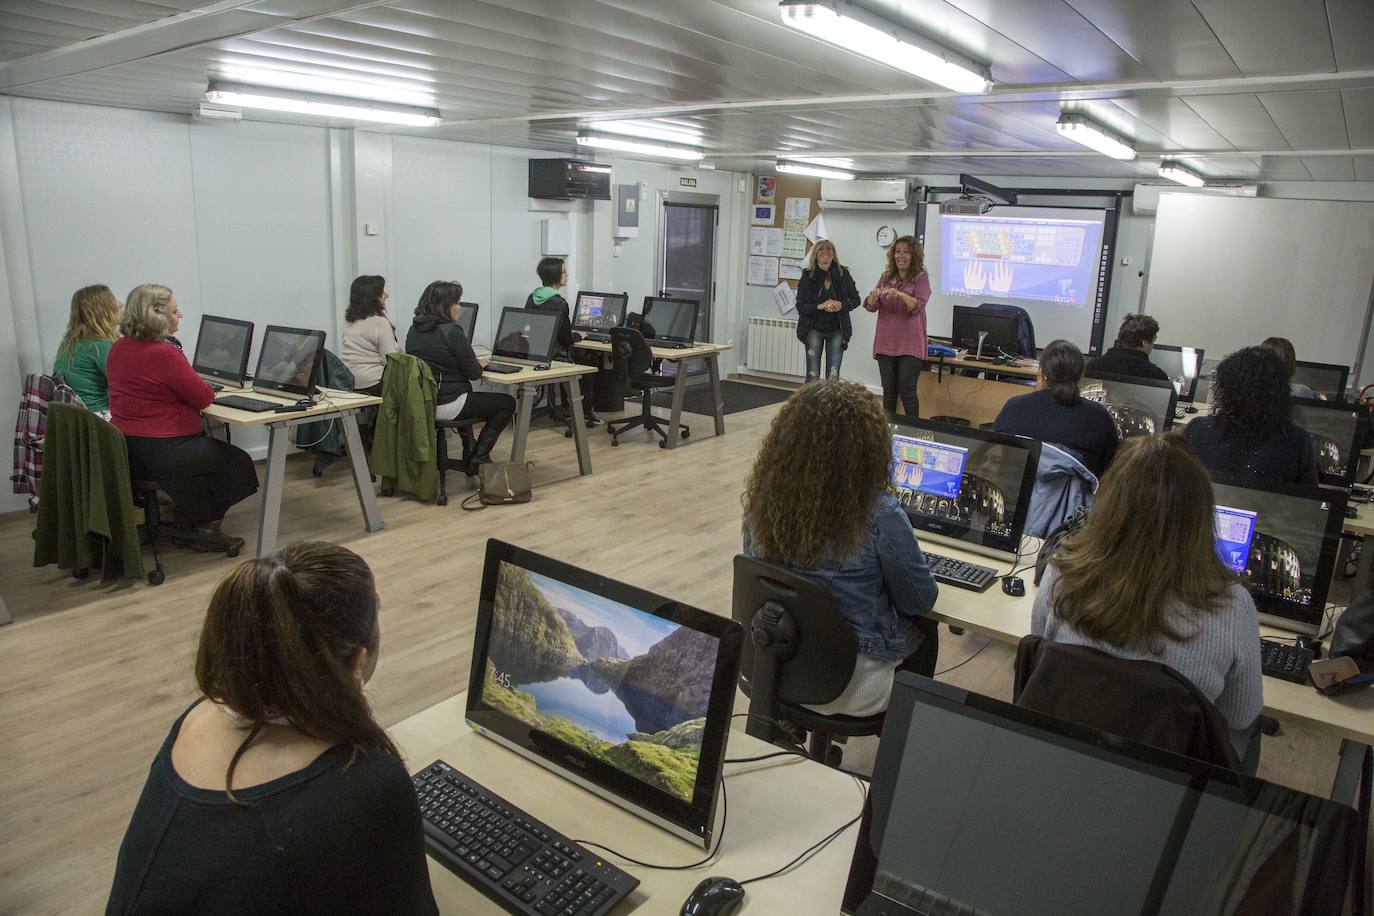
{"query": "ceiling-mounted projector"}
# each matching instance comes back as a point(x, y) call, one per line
point(965, 206)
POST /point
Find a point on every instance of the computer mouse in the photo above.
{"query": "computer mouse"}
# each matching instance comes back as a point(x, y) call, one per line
point(541, 367)
point(1014, 586)
point(715, 896)
point(1189, 408)
point(1352, 512)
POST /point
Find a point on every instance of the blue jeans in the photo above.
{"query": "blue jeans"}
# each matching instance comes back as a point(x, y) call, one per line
point(834, 354)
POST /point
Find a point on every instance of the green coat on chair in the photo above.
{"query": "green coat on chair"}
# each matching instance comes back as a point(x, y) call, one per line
point(403, 445)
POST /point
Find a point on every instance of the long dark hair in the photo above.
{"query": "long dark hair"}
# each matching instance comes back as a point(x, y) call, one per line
point(365, 298)
point(278, 639)
point(1250, 398)
point(1284, 348)
point(1061, 366)
point(918, 259)
point(821, 465)
point(438, 298)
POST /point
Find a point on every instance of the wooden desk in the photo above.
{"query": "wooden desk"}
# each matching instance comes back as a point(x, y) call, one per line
point(707, 351)
point(527, 383)
point(1349, 718)
point(333, 403)
point(1027, 368)
point(979, 400)
point(767, 825)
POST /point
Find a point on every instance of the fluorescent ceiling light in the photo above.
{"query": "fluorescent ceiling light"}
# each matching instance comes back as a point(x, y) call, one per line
point(844, 164)
point(802, 168)
point(212, 113)
point(325, 106)
point(1079, 129)
point(854, 28)
point(380, 89)
point(649, 130)
point(1176, 171)
point(646, 147)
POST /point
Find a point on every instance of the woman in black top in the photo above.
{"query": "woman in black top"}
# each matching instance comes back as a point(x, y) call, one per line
point(436, 338)
point(277, 791)
point(1250, 431)
point(1055, 413)
point(826, 294)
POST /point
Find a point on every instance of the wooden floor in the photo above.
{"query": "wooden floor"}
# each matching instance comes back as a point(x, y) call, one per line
point(91, 677)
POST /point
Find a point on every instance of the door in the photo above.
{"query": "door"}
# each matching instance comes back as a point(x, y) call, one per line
point(687, 262)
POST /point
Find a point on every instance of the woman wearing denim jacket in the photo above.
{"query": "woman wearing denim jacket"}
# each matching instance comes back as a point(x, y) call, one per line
point(817, 500)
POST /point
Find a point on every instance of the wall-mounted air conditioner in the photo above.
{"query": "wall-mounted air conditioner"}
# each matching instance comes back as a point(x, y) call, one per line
point(865, 194)
point(1145, 199)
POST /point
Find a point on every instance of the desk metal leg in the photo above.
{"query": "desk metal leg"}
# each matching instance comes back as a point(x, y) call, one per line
point(573, 388)
point(675, 416)
point(5, 616)
point(1366, 564)
point(717, 398)
point(270, 513)
point(524, 408)
point(362, 479)
point(1347, 782)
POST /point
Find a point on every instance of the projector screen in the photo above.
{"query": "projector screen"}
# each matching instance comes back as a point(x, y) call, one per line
point(1048, 260)
point(1227, 272)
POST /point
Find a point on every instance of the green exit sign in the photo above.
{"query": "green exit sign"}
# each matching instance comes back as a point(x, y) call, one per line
point(686, 182)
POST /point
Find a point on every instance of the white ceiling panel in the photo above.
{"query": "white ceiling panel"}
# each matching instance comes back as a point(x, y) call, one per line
point(1173, 119)
point(1169, 37)
point(1352, 24)
point(1364, 168)
point(1241, 119)
point(1358, 105)
point(1330, 168)
point(1283, 168)
point(1272, 36)
point(1308, 120)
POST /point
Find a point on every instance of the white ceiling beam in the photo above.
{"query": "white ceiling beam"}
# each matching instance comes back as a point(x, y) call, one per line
point(1033, 154)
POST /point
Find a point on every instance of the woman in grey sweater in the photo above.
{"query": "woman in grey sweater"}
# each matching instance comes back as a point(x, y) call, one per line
point(1142, 580)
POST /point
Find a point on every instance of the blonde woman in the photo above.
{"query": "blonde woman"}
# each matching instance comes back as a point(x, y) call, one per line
point(92, 329)
point(899, 342)
point(156, 399)
point(825, 296)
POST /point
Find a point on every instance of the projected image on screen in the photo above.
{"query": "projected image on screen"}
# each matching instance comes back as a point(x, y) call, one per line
point(1051, 260)
point(624, 686)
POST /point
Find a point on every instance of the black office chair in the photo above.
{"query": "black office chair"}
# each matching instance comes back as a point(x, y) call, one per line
point(633, 363)
point(441, 428)
point(800, 650)
point(154, 530)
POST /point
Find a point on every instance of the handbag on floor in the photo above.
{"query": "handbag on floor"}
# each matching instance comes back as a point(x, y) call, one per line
point(501, 484)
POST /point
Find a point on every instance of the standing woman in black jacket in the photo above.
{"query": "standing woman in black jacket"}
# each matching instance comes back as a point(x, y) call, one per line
point(826, 294)
point(436, 338)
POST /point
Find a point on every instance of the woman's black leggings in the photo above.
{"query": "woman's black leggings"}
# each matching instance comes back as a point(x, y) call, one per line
point(899, 375)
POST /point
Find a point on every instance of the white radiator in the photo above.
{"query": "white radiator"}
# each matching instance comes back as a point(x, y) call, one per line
point(774, 348)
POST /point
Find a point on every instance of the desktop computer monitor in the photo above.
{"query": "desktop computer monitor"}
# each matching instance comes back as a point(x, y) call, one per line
point(1335, 427)
point(527, 334)
point(289, 361)
point(980, 807)
point(222, 348)
point(1139, 406)
point(671, 320)
point(1282, 540)
point(599, 311)
point(967, 487)
point(1183, 365)
point(1327, 380)
point(624, 692)
point(467, 318)
point(996, 331)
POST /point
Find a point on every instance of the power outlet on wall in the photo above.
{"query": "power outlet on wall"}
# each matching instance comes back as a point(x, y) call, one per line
point(371, 229)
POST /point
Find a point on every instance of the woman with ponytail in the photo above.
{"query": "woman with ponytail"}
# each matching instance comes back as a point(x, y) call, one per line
point(277, 791)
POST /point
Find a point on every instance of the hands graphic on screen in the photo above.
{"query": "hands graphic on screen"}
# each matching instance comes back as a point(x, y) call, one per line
point(1001, 278)
point(974, 278)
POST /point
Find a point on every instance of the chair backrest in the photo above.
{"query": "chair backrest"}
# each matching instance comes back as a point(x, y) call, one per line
point(816, 655)
point(1142, 701)
point(630, 355)
point(1025, 328)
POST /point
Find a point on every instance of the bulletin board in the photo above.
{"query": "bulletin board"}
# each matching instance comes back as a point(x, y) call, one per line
point(781, 266)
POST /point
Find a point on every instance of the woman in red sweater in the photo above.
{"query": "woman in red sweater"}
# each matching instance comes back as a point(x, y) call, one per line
point(899, 341)
point(155, 400)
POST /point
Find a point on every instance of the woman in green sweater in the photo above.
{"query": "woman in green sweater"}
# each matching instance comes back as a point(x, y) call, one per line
point(91, 331)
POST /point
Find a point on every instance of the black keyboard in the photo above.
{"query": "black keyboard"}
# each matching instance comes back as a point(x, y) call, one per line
point(958, 573)
point(255, 405)
point(1285, 661)
point(515, 860)
point(598, 336)
point(503, 368)
point(214, 386)
point(670, 344)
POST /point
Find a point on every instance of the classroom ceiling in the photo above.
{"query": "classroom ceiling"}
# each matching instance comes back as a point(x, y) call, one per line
point(1242, 89)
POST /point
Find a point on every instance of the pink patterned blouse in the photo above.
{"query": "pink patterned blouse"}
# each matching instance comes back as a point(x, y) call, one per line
point(901, 332)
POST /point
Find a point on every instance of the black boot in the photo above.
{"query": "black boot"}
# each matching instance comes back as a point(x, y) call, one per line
point(481, 453)
point(469, 444)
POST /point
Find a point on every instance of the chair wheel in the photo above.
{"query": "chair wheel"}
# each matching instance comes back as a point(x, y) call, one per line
point(81, 574)
point(441, 499)
point(316, 471)
point(567, 434)
point(231, 551)
point(615, 442)
point(388, 491)
point(662, 443)
point(686, 434)
point(156, 577)
point(834, 756)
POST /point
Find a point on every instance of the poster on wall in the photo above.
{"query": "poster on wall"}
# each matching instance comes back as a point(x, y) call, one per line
point(791, 268)
point(763, 271)
point(767, 190)
point(763, 215)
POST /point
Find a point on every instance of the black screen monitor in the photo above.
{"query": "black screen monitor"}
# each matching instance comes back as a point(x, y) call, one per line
point(528, 334)
point(1139, 406)
point(967, 487)
point(624, 692)
point(222, 348)
point(599, 311)
point(982, 807)
point(1183, 365)
point(467, 318)
point(1335, 429)
point(997, 332)
point(1282, 540)
point(289, 360)
point(673, 320)
point(1327, 380)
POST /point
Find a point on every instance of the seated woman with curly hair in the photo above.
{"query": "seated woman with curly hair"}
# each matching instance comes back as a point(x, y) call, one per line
point(818, 501)
point(1250, 431)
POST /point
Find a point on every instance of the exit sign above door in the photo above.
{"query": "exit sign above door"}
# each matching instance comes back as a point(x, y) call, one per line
point(685, 182)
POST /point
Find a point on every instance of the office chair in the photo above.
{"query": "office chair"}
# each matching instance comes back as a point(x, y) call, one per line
point(441, 428)
point(633, 362)
point(154, 530)
point(800, 650)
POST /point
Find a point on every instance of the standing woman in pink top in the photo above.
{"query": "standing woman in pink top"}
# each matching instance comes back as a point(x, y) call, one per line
point(899, 342)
